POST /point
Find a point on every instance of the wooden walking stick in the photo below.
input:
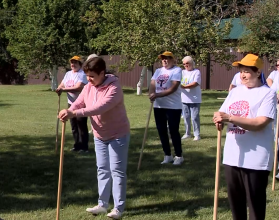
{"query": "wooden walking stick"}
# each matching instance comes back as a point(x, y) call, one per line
point(275, 151)
point(218, 157)
point(145, 134)
point(60, 171)
point(57, 125)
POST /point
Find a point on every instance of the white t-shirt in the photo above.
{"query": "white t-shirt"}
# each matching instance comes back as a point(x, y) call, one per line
point(249, 149)
point(236, 81)
point(163, 80)
point(192, 95)
point(274, 76)
point(70, 80)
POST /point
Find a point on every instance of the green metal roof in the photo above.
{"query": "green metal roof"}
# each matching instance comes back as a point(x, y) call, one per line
point(237, 30)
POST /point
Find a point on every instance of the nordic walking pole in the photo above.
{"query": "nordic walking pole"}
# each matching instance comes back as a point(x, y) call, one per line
point(275, 151)
point(145, 134)
point(60, 170)
point(57, 125)
point(218, 157)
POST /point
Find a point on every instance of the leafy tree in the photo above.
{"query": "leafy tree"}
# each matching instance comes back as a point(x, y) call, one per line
point(262, 23)
point(141, 29)
point(8, 74)
point(46, 33)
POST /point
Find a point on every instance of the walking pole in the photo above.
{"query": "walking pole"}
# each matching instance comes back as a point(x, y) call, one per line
point(145, 134)
point(275, 151)
point(57, 124)
point(60, 171)
point(218, 156)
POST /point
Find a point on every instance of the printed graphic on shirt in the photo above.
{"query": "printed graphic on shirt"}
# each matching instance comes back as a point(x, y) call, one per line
point(70, 83)
point(186, 81)
point(240, 109)
point(161, 80)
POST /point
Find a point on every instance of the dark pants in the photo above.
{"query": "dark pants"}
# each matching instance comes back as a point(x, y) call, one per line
point(80, 132)
point(246, 185)
point(172, 118)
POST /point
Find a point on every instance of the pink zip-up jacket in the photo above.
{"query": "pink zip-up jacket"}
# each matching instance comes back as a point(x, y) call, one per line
point(105, 107)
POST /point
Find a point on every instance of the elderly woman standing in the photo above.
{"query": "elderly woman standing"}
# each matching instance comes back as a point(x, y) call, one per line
point(191, 97)
point(249, 111)
point(164, 91)
point(102, 100)
point(73, 83)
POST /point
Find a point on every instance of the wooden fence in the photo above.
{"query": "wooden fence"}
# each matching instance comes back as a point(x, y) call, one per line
point(219, 78)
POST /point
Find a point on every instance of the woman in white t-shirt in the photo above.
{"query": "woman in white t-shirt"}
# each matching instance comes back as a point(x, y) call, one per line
point(164, 91)
point(273, 82)
point(191, 97)
point(73, 83)
point(236, 81)
point(249, 111)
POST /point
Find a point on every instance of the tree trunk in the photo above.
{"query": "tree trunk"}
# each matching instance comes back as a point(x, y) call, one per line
point(53, 75)
point(141, 80)
point(149, 75)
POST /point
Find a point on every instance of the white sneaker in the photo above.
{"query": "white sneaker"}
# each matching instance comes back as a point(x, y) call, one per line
point(197, 138)
point(178, 160)
point(185, 136)
point(167, 159)
point(115, 214)
point(97, 210)
point(277, 176)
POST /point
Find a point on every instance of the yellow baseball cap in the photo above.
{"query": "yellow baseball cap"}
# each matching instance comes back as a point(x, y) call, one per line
point(250, 60)
point(77, 58)
point(166, 54)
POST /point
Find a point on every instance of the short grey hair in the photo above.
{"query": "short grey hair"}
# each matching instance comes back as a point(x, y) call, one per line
point(189, 59)
point(92, 56)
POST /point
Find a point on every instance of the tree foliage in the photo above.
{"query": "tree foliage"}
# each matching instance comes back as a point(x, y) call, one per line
point(46, 33)
point(262, 23)
point(141, 29)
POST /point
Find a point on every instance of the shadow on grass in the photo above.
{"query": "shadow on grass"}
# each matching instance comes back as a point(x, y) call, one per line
point(5, 104)
point(30, 168)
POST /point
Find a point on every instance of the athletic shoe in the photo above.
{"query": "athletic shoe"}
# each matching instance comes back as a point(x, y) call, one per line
point(277, 176)
point(178, 160)
point(185, 136)
point(74, 149)
point(197, 138)
point(167, 159)
point(115, 214)
point(96, 210)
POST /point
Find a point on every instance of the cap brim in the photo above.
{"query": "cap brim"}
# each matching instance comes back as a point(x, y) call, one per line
point(236, 63)
point(160, 56)
point(75, 60)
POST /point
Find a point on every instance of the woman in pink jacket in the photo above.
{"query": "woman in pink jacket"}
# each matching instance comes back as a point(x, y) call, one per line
point(102, 100)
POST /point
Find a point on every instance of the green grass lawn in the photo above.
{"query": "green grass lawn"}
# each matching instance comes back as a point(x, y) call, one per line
point(29, 166)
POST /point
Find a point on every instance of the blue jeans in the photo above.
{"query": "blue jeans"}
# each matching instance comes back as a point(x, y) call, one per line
point(191, 111)
point(112, 159)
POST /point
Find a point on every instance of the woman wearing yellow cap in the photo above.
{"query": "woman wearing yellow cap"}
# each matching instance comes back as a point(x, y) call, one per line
point(249, 111)
point(164, 91)
point(73, 83)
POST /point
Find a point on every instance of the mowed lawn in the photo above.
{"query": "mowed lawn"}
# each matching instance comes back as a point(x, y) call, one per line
point(29, 166)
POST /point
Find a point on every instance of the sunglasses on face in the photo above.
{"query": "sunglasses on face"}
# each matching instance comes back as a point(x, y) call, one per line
point(185, 64)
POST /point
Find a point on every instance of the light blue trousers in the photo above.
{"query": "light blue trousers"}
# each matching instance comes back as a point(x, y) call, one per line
point(191, 112)
point(112, 159)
